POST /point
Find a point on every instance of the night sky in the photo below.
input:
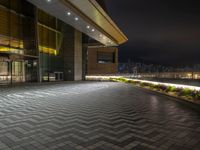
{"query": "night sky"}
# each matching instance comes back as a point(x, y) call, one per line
point(163, 32)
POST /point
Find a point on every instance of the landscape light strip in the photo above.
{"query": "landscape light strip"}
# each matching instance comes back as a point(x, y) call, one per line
point(146, 81)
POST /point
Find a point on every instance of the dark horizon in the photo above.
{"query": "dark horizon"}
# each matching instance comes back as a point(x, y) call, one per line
point(159, 32)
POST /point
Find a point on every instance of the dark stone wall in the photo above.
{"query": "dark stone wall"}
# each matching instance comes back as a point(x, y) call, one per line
point(72, 53)
point(68, 51)
point(95, 68)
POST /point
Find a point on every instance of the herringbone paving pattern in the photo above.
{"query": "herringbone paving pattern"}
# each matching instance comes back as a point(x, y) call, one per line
point(95, 116)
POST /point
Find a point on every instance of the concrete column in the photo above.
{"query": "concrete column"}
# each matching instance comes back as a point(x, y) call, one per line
point(72, 53)
point(78, 56)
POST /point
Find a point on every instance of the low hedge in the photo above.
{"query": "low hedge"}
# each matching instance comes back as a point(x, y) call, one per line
point(182, 92)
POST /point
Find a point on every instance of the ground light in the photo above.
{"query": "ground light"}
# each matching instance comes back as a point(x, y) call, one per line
point(145, 81)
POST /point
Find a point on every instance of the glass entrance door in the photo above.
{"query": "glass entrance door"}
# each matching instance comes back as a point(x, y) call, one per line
point(12, 72)
point(18, 73)
point(31, 70)
point(4, 72)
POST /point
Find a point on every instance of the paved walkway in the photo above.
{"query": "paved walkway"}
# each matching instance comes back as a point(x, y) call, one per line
point(95, 116)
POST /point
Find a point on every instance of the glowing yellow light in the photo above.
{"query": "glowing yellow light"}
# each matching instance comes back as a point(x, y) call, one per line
point(48, 50)
point(55, 52)
point(11, 50)
point(12, 42)
point(144, 81)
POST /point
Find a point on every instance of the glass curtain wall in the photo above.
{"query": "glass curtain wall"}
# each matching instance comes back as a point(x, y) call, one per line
point(50, 41)
point(17, 27)
point(17, 38)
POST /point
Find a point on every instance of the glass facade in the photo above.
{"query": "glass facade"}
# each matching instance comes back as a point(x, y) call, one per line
point(29, 39)
point(17, 40)
point(50, 41)
point(33, 44)
point(17, 31)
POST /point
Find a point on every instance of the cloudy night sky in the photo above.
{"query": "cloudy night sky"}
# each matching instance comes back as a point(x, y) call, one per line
point(163, 32)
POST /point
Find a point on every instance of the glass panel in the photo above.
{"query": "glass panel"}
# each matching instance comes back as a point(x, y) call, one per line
point(31, 70)
point(50, 45)
point(4, 22)
point(3, 68)
point(17, 33)
point(47, 40)
point(46, 19)
point(18, 71)
point(17, 36)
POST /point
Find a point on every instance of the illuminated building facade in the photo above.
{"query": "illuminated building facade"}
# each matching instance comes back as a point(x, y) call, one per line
point(46, 40)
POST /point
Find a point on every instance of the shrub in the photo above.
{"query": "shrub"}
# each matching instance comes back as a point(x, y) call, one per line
point(171, 89)
point(197, 96)
point(153, 86)
point(136, 82)
point(186, 92)
point(122, 79)
point(133, 82)
point(162, 87)
point(156, 86)
point(144, 84)
point(113, 79)
point(129, 81)
point(179, 91)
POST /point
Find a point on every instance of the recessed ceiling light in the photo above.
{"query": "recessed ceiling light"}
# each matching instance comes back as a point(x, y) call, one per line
point(93, 30)
point(100, 35)
point(48, 0)
point(76, 18)
point(88, 27)
point(68, 13)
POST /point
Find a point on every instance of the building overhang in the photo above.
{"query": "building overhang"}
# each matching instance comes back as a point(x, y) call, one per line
point(86, 16)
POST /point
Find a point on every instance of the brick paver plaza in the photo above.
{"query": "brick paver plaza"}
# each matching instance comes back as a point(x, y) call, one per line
point(95, 116)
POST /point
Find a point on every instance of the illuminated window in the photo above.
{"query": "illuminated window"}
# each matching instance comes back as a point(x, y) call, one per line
point(105, 57)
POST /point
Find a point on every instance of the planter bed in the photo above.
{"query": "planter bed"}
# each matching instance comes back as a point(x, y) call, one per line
point(183, 93)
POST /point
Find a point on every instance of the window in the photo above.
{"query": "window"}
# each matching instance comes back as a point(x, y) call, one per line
point(105, 57)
